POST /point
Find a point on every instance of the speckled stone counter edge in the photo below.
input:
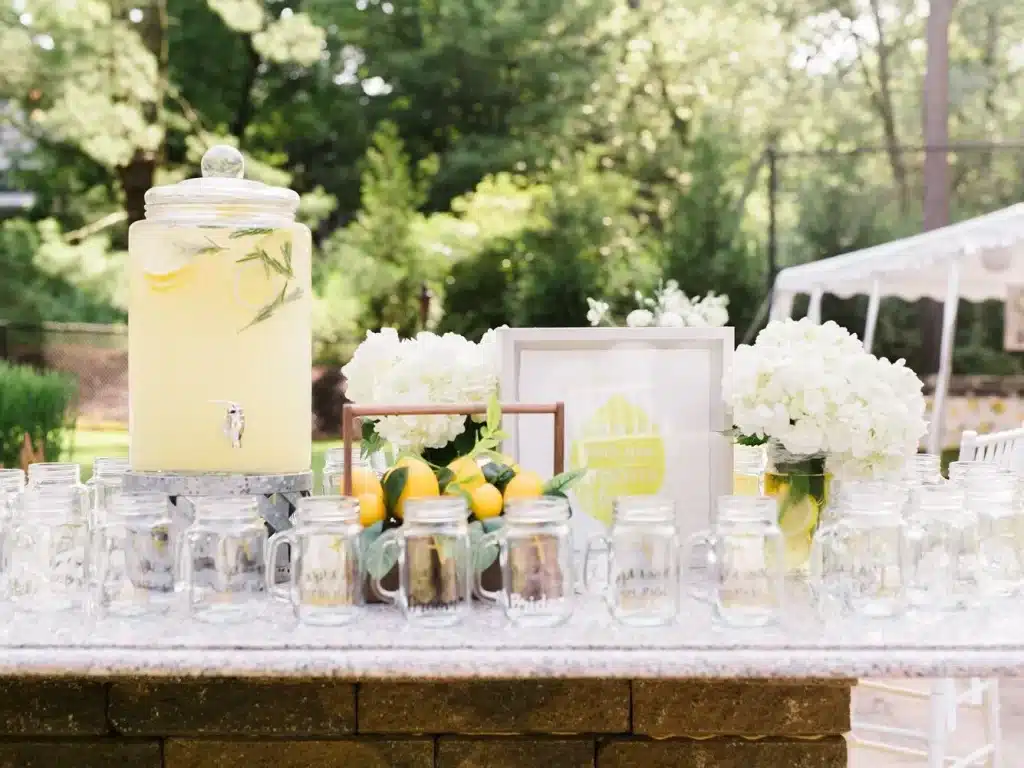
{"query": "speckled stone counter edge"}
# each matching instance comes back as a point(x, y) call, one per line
point(407, 664)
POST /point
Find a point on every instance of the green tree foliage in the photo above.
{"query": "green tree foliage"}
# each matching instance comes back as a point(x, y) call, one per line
point(514, 155)
point(384, 260)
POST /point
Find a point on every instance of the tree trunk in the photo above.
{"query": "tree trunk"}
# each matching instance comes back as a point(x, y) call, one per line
point(936, 161)
point(887, 112)
point(136, 178)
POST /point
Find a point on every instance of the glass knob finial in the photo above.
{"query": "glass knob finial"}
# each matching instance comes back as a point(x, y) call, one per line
point(222, 161)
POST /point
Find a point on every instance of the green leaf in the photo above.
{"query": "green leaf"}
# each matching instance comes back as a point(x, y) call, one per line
point(444, 477)
point(394, 484)
point(380, 559)
point(560, 484)
point(483, 557)
point(493, 414)
point(249, 232)
point(498, 474)
point(370, 441)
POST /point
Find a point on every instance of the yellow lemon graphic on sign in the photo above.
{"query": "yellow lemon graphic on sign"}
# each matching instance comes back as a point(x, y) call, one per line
point(623, 453)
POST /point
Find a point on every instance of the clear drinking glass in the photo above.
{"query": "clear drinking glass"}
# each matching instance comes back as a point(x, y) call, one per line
point(107, 471)
point(12, 483)
point(535, 553)
point(942, 543)
point(642, 570)
point(224, 560)
point(745, 554)
point(132, 558)
point(991, 500)
point(867, 547)
point(326, 583)
point(333, 475)
point(434, 562)
point(48, 550)
point(748, 465)
point(924, 468)
point(959, 471)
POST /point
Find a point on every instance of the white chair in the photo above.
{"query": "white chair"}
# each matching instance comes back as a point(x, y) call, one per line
point(945, 698)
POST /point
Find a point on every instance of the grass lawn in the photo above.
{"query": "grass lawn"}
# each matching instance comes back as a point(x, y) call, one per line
point(86, 445)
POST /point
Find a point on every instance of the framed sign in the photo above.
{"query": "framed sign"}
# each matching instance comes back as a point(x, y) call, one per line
point(644, 413)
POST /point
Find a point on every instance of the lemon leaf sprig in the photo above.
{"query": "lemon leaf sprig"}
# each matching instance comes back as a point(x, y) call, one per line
point(560, 484)
point(394, 484)
point(491, 434)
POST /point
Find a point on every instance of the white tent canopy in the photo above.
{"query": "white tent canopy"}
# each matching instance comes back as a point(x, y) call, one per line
point(977, 259)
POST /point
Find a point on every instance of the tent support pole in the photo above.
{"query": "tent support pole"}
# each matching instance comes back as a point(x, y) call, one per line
point(874, 304)
point(814, 308)
point(949, 309)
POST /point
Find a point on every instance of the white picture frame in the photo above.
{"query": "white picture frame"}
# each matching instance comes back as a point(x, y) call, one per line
point(625, 389)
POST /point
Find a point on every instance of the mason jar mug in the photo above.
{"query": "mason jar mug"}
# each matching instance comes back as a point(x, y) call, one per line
point(224, 561)
point(132, 558)
point(535, 555)
point(942, 543)
point(435, 567)
point(48, 548)
point(641, 583)
point(745, 557)
point(868, 549)
point(326, 582)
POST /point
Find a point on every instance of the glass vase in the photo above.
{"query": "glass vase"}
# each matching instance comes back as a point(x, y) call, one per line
point(800, 486)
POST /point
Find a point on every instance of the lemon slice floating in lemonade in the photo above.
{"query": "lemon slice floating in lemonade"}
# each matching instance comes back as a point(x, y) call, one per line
point(165, 270)
point(798, 517)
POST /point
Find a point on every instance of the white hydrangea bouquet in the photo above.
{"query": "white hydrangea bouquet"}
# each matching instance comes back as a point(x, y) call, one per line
point(448, 369)
point(824, 407)
point(668, 307)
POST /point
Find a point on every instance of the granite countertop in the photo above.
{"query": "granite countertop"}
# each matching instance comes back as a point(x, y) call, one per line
point(591, 645)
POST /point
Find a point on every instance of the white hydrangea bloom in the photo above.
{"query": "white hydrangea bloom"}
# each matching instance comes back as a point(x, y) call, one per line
point(669, 307)
point(426, 369)
point(640, 318)
point(815, 390)
point(597, 312)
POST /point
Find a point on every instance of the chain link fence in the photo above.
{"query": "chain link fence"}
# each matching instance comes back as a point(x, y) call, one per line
point(96, 356)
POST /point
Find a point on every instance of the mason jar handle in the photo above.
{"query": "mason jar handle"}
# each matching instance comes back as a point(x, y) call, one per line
point(387, 540)
point(488, 540)
point(99, 563)
point(275, 543)
point(823, 538)
point(592, 542)
point(186, 558)
point(699, 546)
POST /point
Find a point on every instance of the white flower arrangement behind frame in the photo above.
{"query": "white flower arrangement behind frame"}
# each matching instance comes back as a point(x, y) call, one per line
point(448, 369)
point(668, 307)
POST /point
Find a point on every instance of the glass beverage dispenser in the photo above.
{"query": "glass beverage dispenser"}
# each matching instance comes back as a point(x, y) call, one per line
point(219, 326)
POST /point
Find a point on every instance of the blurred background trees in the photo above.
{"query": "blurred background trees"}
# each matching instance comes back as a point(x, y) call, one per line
point(511, 157)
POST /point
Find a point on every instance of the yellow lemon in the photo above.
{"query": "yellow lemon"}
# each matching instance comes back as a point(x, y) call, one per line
point(468, 475)
point(371, 509)
point(420, 483)
point(364, 481)
point(486, 501)
point(525, 485)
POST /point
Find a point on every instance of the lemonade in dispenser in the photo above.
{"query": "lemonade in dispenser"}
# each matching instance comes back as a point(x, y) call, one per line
point(219, 326)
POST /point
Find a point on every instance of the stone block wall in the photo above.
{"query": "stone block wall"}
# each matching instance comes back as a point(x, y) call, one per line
point(228, 723)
